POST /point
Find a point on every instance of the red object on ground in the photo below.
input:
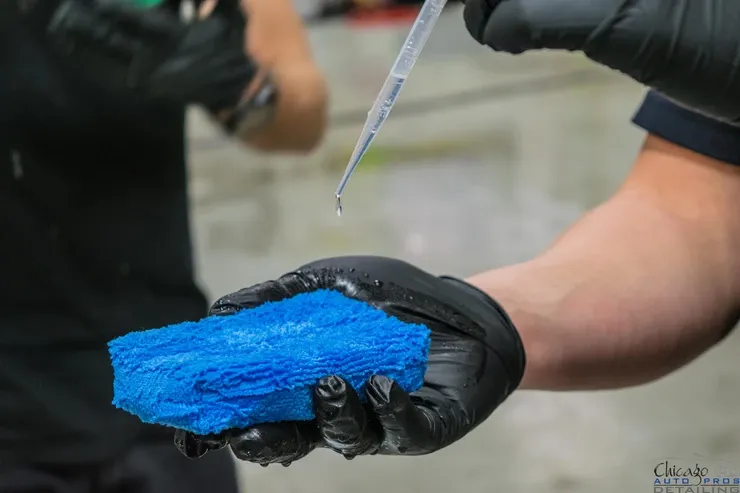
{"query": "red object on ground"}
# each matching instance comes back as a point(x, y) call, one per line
point(383, 16)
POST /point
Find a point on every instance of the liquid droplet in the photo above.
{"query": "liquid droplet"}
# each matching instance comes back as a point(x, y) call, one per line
point(339, 206)
point(366, 275)
point(378, 283)
point(351, 269)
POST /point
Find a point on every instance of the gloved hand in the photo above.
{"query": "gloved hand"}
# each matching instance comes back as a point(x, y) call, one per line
point(688, 50)
point(155, 52)
point(476, 360)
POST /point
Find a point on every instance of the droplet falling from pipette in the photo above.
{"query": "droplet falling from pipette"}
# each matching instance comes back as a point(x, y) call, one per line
point(339, 205)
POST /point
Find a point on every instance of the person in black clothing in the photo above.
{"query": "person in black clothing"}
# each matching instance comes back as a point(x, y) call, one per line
point(639, 287)
point(94, 213)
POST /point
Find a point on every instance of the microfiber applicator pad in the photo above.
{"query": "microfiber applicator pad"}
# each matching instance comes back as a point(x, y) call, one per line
point(260, 365)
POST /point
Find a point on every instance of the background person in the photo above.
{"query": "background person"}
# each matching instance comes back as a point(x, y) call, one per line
point(95, 214)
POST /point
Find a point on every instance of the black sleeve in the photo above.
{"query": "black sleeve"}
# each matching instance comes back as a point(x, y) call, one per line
point(693, 131)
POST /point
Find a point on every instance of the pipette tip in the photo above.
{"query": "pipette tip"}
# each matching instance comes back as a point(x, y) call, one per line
point(339, 205)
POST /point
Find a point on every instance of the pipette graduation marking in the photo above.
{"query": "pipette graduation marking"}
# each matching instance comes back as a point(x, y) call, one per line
point(392, 86)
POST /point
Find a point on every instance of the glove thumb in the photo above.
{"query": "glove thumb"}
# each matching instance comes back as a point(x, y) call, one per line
point(287, 286)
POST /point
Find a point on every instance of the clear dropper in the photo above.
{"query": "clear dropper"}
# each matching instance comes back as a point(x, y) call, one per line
point(422, 28)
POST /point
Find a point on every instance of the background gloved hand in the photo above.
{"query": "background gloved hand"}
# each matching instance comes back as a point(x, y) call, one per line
point(155, 52)
point(476, 360)
point(688, 50)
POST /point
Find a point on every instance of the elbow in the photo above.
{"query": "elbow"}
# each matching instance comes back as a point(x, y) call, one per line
point(302, 141)
point(315, 111)
point(292, 136)
point(315, 137)
point(729, 326)
point(308, 137)
point(301, 118)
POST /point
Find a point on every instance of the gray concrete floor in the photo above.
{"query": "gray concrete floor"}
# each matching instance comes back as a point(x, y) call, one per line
point(457, 190)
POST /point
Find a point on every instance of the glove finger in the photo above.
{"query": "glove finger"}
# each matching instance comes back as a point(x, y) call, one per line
point(275, 443)
point(408, 429)
point(476, 15)
point(343, 422)
point(516, 26)
point(194, 447)
point(250, 297)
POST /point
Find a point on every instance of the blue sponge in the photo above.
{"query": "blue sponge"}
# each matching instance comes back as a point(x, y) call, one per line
point(259, 365)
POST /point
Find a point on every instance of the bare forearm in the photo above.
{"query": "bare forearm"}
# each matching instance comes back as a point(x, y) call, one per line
point(616, 302)
point(278, 41)
point(629, 294)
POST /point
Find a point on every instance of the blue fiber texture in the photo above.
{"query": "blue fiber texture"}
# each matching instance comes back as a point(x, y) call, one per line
point(260, 365)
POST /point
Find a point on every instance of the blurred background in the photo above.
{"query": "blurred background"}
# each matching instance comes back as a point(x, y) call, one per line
point(484, 161)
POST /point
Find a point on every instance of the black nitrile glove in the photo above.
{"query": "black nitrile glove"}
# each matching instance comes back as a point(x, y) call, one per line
point(33, 15)
point(155, 52)
point(686, 49)
point(476, 360)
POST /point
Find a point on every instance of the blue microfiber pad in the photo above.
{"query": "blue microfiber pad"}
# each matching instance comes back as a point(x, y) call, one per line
point(260, 365)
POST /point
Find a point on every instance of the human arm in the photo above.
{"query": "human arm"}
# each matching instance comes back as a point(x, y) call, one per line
point(277, 40)
point(640, 286)
point(157, 55)
point(645, 321)
point(688, 51)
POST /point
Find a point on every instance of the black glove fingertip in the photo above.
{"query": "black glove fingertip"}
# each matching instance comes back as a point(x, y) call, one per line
point(189, 445)
point(343, 422)
point(476, 15)
point(272, 443)
point(510, 29)
point(251, 445)
point(408, 429)
point(384, 394)
point(212, 442)
point(330, 396)
point(250, 297)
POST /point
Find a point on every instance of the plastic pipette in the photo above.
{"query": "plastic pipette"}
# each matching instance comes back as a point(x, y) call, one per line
point(410, 52)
